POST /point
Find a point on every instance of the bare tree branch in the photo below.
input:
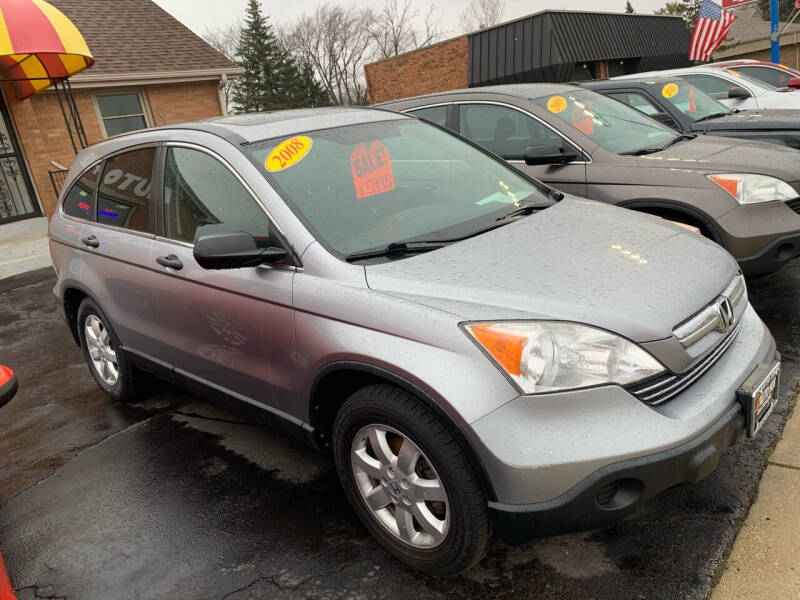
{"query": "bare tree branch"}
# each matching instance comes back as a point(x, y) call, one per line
point(481, 13)
point(336, 42)
point(225, 40)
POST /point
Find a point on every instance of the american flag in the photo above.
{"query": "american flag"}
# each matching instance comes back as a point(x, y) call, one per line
point(711, 28)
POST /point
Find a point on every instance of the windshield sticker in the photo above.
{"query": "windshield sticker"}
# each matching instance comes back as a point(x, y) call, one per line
point(669, 90)
point(288, 153)
point(583, 118)
point(734, 73)
point(371, 166)
point(556, 104)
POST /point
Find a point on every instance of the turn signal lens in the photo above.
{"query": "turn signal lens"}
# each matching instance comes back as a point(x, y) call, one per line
point(726, 183)
point(505, 347)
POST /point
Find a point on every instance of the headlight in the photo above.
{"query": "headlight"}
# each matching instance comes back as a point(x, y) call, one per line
point(749, 188)
point(543, 356)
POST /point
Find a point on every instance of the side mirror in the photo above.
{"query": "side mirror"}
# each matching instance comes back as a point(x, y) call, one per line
point(793, 83)
point(737, 92)
point(549, 155)
point(233, 251)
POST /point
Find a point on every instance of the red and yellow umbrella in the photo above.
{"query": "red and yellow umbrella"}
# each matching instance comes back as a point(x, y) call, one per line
point(39, 45)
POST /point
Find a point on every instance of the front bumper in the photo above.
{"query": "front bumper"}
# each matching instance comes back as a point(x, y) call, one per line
point(611, 493)
point(762, 237)
point(587, 458)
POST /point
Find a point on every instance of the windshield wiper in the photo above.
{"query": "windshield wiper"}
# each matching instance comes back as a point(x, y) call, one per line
point(712, 116)
point(678, 138)
point(524, 209)
point(397, 248)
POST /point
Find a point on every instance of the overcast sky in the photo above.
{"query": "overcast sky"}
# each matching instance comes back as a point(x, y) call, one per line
point(200, 15)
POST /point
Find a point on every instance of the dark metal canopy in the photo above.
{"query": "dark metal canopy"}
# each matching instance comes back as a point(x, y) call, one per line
point(559, 46)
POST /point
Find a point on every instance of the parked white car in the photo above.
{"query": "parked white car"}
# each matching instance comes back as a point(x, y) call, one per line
point(731, 87)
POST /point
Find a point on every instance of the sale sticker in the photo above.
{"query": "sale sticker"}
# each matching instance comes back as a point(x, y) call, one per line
point(669, 90)
point(371, 166)
point(288, 153)
point(556, 104)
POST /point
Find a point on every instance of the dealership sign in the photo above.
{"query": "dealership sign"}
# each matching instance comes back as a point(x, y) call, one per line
point(735, 3)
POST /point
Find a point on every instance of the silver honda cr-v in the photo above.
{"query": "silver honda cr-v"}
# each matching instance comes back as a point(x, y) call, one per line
point(476, 350)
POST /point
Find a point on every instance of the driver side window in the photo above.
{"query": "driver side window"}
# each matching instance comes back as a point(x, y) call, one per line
point(505, 131)
point(202, 196)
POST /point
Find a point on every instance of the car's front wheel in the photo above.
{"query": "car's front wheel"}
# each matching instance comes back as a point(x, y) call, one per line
point(109, 367)
point(409, 481)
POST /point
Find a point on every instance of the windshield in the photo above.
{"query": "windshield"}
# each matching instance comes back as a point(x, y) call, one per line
point(610, 123)
point(362, 187)
point(690, 100)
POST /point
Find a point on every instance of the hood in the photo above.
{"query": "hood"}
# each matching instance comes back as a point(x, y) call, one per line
point(713, 154)
point(752, 120)
point(578, 260)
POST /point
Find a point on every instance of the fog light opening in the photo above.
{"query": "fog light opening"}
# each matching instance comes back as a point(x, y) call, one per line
point(785, 251)
point(619, 494)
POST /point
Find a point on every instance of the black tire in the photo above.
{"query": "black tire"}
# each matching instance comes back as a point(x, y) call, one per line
point(468, 534)
point(125, 388)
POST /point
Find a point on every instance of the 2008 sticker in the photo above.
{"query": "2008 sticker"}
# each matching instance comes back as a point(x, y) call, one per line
point(556, 104)
point(288, 153)
point(669, 90)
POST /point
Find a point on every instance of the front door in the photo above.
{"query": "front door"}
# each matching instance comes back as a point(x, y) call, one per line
point(17, 200)
point(230, 330)
point(508, 132)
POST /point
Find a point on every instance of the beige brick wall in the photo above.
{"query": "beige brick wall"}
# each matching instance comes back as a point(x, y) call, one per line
point(437, 68)
point(43, 135)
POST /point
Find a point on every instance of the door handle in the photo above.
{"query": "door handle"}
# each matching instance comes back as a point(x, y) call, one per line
point(91, 241)
point(171, 261)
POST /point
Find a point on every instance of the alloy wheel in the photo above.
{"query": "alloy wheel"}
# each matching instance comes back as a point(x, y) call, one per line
point(98, 344)
point(400, 486)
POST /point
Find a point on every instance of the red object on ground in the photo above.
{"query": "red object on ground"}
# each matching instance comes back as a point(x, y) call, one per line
point(8, 387)
point(6, 593)
point(5, 375)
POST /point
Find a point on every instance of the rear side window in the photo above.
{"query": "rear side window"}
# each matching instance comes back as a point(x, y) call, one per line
point(768, 75)
point(637, 101)
point(202, 196)
point(125, 199)
point(434, 114)
point(714, 86)
point(79, 200)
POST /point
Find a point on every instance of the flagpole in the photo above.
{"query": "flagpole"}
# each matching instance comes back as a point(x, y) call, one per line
point(774, 29)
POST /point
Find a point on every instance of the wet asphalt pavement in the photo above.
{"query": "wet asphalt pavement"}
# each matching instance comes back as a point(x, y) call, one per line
point(175, 498)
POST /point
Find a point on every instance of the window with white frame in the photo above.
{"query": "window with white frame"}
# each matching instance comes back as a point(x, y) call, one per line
point(121, 112)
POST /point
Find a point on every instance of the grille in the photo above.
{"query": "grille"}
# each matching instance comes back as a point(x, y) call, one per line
point(794, 205)
point(607, 492)
point(662, 388)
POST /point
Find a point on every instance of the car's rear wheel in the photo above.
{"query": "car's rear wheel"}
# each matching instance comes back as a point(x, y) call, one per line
point(109, 367)
point(409, 481)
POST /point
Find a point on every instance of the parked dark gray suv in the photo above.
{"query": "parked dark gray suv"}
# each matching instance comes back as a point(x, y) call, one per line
point(743, 195)
point(476, 350)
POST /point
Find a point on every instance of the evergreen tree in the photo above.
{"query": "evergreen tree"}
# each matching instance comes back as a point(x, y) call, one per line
point(629, 8)
point(272, 80)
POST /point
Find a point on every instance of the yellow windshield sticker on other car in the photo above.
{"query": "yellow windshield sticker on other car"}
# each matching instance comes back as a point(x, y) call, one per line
point(734, 73)
point(288, 153)
point(669, 90)
point(556, 104)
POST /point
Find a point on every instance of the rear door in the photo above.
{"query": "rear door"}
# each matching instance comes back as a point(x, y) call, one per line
point(508, 131)
point(228, 330)
point(116, 238)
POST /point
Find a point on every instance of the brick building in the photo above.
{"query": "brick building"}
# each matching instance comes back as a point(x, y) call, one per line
point(149, 70)
point(549, 46)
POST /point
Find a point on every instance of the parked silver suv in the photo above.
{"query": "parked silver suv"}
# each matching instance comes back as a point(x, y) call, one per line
point(475, 349)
